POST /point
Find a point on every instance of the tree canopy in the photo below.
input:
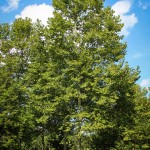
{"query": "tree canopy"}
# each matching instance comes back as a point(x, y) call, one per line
point(67, 85)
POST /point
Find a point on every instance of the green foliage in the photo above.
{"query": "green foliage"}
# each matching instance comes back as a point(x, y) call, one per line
point(88, 45)
point(137, 136)
point(14, 111)
point(67, 86)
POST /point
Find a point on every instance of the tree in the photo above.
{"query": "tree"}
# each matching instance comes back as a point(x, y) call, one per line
point(137, 136)
point(98, 85)
point(43, 89)
point(14, 112)
point(67, 85)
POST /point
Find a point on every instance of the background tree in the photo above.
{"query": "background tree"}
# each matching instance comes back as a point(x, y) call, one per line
point(43, 89)
point(137, 136)
point(12, 98)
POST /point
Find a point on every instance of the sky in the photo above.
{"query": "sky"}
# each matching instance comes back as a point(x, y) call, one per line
point(135, 14)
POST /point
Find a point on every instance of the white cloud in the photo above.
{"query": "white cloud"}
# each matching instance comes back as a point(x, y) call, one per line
point(137, 55)
point(145, 83)
point(12, 4)
point(42, 12)
point(143, 5)
point(122, 8)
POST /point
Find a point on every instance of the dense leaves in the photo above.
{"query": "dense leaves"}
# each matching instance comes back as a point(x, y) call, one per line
point(67, 86)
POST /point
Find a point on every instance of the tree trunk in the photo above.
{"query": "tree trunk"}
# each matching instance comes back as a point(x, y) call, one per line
point(43, 142)
point(65, 146)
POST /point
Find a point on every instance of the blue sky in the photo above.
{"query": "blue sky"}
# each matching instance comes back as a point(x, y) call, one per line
point(135, 14)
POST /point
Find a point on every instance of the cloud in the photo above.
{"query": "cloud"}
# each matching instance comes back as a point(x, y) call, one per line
point(137, 55)
point(122, 8)
point(42, 12)
point(143, 5)
point(145, 83)
point(12, 4)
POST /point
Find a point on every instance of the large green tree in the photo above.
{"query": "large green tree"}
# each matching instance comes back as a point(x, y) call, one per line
point(98, 86)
